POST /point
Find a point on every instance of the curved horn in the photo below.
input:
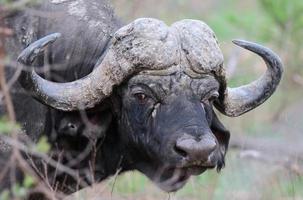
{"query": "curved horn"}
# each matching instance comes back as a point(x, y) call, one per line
point(237, 101)
point(80, 94)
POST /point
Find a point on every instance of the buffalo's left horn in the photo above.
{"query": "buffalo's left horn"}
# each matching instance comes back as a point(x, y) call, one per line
point(83, 93)
point(237, 101)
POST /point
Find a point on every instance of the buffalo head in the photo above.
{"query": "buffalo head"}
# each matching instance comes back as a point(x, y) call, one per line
point(162, 83)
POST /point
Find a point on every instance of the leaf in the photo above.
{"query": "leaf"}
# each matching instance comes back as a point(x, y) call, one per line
point(6, 127)
point(19, 191)
point(4, 195)
point(28, 181)
point(42, 146)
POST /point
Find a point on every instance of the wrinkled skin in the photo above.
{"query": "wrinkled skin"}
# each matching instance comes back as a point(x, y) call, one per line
point(147, 103)
point(157, 112)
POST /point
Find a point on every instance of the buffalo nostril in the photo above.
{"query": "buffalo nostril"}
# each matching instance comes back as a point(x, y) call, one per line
point(180, 151)
point(195, 150)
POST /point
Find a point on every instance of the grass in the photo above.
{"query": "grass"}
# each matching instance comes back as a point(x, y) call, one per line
point(241, 179)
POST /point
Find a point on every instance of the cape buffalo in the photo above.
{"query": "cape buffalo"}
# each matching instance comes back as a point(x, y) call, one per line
point(147, 89)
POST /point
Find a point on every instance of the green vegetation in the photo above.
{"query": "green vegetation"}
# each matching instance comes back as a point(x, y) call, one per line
point(241, 179)
point(19, 191)
point(7, 127)
point(42, 145)
point(5, 1)
point(12, 5)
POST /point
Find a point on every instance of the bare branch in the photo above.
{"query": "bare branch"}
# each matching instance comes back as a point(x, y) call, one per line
point(20, 146)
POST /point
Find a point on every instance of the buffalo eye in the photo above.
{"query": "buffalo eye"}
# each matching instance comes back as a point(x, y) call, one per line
point(213, 97)
point(141, 97)
point(209, 99)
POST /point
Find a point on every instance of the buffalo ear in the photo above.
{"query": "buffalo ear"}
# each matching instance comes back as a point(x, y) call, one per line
point(221, 133)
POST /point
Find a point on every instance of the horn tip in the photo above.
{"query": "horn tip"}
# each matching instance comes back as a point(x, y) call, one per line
point(54, 36)
point(57, 35)
point(239, 42)
point(50, 39)
point(28, 55)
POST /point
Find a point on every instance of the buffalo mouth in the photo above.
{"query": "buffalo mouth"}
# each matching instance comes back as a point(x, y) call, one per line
point(174, 178)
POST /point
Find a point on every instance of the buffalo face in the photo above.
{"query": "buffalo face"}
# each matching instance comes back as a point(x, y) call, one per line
point(170, 127)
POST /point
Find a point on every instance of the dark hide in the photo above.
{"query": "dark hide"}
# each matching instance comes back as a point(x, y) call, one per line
point(150, 126)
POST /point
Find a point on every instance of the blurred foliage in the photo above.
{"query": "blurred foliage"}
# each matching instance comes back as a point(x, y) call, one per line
point(285, 13)
point(28, 181)
point(229, 23)
point(287, 17)
point(42, 145)
point(4, 195)
point(15, 5)
point(7, 127)
point(19, 191)
point(5, 1)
